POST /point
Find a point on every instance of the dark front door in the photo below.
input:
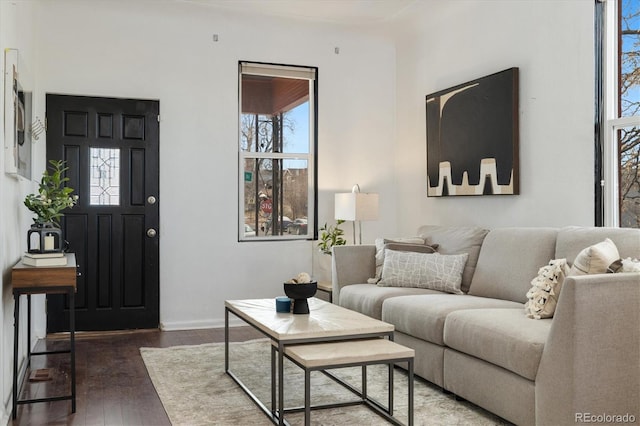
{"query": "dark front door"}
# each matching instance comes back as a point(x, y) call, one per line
point(111, 147)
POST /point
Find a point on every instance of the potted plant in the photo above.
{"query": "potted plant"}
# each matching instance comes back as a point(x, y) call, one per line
point(47, 205)
point(331, 236)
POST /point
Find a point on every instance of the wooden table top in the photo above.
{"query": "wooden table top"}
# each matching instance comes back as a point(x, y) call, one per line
point(25, 276)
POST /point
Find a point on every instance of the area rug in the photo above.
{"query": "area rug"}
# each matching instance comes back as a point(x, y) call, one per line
point(194, 390)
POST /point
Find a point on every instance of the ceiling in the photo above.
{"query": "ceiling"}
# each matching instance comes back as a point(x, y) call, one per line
point(336, 11)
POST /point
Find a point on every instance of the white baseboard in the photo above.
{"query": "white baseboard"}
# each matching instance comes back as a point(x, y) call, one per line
point(196, 325)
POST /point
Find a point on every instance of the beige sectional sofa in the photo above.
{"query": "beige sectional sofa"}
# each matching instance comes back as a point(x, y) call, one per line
point(582, 363)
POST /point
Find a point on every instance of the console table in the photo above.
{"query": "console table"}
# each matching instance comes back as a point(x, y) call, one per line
point(30, 280)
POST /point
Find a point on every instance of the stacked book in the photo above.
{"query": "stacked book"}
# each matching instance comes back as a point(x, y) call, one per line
point(44, 259)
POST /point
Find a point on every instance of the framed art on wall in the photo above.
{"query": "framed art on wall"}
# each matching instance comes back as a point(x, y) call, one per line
point(17, 119)
point(472, 137)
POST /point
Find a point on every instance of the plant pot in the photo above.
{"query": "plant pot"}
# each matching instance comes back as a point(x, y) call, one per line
point(300, 293)
point(321, 266)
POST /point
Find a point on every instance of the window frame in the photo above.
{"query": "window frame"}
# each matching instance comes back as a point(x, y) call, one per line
point(607, 16)
point(284, 71)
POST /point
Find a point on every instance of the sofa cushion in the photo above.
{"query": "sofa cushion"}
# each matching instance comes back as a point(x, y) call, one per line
point(368, 298)
point(423, 316)
point(457, 240)
point(423, 270)
point(504, 337)
point(573, 239)
point(509, 259)
point(595, 259)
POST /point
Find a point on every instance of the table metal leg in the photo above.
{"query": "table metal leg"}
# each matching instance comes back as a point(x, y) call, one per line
point(226, 340)
point(364, 382)
point(280, 383)
point(16, 332)
point(273, 380)
point(391, 390)
point(72, 332)
point(271, 412)
point(307, 397)
point(410, 385)
point(28, 330)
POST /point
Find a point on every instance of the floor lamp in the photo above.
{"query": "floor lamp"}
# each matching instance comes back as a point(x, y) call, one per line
point(356, 206)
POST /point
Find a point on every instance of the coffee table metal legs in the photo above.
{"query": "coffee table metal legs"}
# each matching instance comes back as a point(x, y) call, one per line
point(273, 381)
point(307, 397)
point(270, 413)
point(385, 412)
point(281, 383)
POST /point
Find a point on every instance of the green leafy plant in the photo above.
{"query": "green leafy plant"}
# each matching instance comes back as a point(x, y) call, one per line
point(331, 236)
point(52, 196)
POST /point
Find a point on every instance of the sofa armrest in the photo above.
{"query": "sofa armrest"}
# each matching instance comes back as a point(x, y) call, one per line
point(351, 265)
point(591, 360)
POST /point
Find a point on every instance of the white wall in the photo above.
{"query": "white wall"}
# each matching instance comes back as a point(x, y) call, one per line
point(164, 50)
point(444, 43)
point(16, 32)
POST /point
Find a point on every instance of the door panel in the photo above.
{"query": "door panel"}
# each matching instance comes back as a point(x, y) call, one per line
point(112, 150)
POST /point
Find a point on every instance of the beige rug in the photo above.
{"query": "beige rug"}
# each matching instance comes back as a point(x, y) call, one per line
point(194, 390)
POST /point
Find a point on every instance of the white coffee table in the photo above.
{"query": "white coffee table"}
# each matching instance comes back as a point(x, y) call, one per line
point(326, 322)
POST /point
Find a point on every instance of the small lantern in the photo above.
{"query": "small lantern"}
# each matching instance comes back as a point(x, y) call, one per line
point(44, 239)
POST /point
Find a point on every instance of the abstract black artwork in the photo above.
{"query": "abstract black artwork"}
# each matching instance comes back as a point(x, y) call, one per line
point(472, 137)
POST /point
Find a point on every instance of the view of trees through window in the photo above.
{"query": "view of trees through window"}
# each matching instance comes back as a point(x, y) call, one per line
point(274, 187)
point(629, 106)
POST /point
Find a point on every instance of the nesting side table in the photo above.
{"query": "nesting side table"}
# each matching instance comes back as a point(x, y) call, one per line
point(30, 280)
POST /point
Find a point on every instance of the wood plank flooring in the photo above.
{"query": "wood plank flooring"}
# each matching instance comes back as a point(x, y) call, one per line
point(113, 387)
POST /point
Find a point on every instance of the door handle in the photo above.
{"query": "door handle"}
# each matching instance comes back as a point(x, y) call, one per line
point(151, 199)
point(151, 233)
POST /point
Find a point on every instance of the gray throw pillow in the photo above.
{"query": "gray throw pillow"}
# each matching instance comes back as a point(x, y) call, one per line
point(400, 244)
point(423, 270)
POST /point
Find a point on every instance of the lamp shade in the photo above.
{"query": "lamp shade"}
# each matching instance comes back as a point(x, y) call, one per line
point(356, 206)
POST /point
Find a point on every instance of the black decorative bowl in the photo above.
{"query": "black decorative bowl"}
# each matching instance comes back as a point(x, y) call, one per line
point(300, 293)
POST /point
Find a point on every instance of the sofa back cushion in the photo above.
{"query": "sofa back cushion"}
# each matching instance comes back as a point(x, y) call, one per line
point(509, 259)
point(456, 240)
point(573, 239)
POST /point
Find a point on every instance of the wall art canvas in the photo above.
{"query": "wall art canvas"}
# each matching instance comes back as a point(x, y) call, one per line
point(472, 137)
point(17, 119)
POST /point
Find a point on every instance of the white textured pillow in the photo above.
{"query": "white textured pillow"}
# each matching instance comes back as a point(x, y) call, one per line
point(545, 290)
point(380, 242)
point(595, 259)
point(433, 271)
point(630, 265)
point(624, 265)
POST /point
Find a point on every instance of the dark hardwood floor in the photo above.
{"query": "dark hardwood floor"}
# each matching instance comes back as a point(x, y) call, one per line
point(113, 387)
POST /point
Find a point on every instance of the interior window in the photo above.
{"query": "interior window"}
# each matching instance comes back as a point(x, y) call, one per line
point(105, 176)
point(277, 151)
point(621, 149)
